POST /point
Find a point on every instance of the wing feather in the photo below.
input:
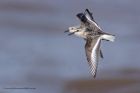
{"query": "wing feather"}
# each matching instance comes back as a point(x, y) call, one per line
point(92, 52)
point(89, 14)
point(88, 21)
point(91, 21)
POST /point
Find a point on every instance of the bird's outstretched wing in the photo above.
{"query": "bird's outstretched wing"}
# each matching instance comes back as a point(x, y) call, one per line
point(92, 49)
point(92, 23)
point(88, 21)
point(88, 14)
point(83, 19)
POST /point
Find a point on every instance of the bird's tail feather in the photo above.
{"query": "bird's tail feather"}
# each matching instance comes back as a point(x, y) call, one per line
point(108, 37)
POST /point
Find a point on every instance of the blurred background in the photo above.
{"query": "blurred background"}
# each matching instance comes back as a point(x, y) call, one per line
point(35, 53)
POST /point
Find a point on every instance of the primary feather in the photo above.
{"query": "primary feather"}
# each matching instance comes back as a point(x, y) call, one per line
point(92, 49)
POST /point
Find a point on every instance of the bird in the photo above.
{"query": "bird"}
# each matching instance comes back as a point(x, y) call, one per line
point(93, 34)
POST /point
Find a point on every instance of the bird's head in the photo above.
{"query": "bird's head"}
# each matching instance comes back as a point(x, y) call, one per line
point(72, 30)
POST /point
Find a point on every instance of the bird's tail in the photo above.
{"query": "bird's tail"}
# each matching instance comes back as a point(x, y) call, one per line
point(108, 37)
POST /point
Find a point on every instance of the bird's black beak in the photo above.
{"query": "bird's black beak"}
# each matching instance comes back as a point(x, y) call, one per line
point(71, 34)
point(66, 31)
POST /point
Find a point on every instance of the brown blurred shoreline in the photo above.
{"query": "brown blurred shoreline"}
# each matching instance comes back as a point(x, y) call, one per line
point(103, 86)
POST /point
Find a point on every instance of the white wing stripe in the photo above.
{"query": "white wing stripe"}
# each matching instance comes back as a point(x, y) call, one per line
point(94, 58)
point(93, 22)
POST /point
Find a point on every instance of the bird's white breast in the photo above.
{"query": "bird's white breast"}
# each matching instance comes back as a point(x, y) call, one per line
point(81, 34)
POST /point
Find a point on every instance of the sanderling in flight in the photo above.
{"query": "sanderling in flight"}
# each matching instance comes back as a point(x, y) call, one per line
point(93, 34)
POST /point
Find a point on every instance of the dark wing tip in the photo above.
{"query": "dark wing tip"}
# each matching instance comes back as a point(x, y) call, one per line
point(87, 10)
point(94, 76)
point(82, 17)
point(89, 13)
point(101, 54)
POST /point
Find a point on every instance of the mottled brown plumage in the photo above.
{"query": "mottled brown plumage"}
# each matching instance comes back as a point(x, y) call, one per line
point(89, 46)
